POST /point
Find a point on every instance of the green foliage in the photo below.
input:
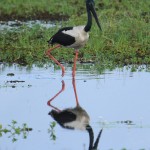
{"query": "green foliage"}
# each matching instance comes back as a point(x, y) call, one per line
point(123, 41)
point(29, 9)
point(51, 130)
point(13, 130)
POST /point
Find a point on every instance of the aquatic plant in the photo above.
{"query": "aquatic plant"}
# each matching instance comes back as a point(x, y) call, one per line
point(14, 130)
point(51, 130)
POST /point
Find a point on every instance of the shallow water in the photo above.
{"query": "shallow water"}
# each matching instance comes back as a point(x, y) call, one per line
point(117, 101)
point(11, 25)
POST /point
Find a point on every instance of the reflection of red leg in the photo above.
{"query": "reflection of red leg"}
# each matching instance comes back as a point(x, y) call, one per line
point(74, 65)
point(75, 92)
point(49, 102)
point(48, 52)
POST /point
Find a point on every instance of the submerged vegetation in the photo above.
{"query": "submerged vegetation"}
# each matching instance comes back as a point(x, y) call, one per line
point(125, 38)
point(51, 130)
point(13, 130)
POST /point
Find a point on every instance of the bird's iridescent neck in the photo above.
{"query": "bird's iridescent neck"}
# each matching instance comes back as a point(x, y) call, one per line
point(89, 21)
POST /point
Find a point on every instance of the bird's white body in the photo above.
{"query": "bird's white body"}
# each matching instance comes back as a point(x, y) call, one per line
point(81, 37)
point(81, 121)
point(79, 124)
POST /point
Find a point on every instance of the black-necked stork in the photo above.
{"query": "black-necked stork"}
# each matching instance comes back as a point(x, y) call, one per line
point(74, 118)
point(74, 37)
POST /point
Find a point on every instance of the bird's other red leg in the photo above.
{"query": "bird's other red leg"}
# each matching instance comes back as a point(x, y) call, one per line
point(48, 52)
point(74, 64)
point(75, 92)
point(49, 101)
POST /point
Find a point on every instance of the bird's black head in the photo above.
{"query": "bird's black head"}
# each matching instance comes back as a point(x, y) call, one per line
point(90, 5)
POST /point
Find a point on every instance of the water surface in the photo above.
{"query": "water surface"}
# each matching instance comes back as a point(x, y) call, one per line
point(117, 101)
point(12, 25)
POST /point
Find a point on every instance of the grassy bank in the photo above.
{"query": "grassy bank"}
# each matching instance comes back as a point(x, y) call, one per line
point(124, 39)
point(44, 9)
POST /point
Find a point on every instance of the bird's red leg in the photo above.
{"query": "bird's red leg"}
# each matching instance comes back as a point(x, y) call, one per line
point(49, 102)
point(48, 52)
point(74, 65)
point(75, 92)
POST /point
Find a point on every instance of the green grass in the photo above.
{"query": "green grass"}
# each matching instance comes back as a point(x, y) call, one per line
point(31, 9)
point(125, 38)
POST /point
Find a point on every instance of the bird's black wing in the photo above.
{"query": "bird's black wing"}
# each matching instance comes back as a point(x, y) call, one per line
point(65, 29)
point(62, 38)
point(63, 117)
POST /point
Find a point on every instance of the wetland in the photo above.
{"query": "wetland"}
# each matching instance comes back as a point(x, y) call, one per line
point(112, 78)
point(124, 39)
point(116, 101)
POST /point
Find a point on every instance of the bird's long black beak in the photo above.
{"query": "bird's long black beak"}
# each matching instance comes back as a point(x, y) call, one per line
point(97, 140)
point(92, 9)
point(91, 136)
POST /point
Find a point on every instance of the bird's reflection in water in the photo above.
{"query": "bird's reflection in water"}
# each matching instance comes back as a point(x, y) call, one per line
point(74, 118)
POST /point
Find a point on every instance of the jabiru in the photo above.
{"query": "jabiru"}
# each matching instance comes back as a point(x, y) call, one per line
point(74, 118)
point(74, 37)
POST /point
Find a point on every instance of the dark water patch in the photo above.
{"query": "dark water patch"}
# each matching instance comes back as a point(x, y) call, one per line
point(14, 81)
point(10, 74)
point(128, 122)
